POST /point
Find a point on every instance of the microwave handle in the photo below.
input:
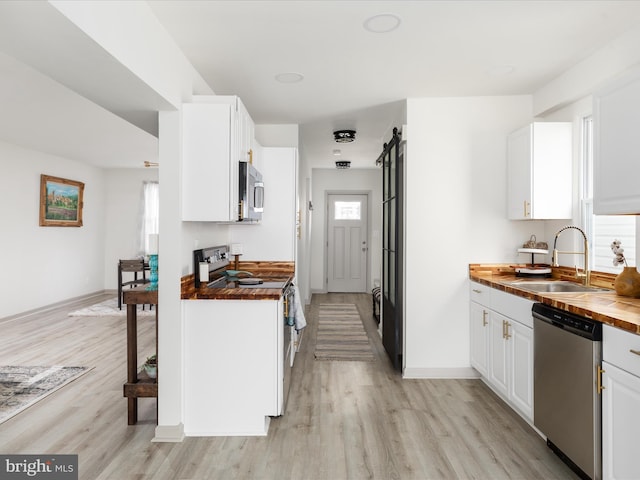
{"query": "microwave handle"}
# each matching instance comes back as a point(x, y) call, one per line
point(258, 197)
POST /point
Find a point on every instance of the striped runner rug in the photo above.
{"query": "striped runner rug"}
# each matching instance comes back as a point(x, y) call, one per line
point(341, 335)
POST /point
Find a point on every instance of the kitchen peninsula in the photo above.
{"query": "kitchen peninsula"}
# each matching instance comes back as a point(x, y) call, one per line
point(238, 353)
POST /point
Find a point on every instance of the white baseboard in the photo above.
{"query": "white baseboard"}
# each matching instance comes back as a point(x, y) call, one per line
point(464, 372)
point(51, 306)
point(169, 433)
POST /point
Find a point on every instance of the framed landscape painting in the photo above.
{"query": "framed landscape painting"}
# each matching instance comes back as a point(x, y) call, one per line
point(60, 202)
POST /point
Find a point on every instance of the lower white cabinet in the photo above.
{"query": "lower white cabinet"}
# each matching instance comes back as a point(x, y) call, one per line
point(620, 404)
point(233, 366)
point(520, 348)
point(499, 371)
point(502, 345)
point(479, 316)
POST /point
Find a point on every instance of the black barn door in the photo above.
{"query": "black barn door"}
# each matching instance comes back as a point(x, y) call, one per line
point(392, 254)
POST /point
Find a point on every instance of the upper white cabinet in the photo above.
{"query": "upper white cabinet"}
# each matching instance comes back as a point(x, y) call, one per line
point(539, 172)
point(217, 133)
point(616, 116)
point(274, 238)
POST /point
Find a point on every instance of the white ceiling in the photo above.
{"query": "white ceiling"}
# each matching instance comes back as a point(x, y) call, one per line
point(353, 78)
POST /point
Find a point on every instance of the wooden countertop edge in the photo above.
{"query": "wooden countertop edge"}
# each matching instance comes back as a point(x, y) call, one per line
point(605, 307)
point(189, 292)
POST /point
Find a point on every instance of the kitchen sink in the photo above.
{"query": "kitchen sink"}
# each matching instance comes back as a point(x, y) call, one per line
point(556, 286)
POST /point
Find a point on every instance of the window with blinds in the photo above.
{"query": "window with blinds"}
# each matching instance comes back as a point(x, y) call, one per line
point(601, 230)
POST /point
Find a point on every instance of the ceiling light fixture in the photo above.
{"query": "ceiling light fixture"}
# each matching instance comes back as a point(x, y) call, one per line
point(344, 136)
point(343, 164)
point(500, 70)
point(289, 77)
point(382, 23)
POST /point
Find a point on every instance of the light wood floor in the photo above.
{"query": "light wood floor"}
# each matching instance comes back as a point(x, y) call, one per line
point(344, 420)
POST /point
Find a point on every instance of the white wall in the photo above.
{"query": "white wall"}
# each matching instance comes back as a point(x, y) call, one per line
point(303, 262)
point(333, 180)
point(45, 265)
point(455, 215)
point(123, 205)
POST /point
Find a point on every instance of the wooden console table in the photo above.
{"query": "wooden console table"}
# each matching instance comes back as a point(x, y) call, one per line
point(137, 385)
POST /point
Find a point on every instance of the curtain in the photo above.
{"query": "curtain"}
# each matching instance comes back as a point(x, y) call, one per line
point(149, 215)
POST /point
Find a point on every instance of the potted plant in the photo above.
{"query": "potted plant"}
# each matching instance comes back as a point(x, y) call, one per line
point(151, 366)
point(627, 283)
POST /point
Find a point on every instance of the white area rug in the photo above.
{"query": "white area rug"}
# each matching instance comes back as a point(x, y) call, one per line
point(21, 387)
point(109, 308)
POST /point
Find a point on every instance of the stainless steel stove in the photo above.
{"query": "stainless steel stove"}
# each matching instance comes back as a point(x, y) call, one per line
point(210, 268)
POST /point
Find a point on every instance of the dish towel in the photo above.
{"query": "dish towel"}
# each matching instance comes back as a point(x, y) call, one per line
point(298, 310)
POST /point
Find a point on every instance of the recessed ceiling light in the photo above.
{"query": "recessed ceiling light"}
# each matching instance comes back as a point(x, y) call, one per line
point(289, 77)
point(500, 70)
point(382, 23)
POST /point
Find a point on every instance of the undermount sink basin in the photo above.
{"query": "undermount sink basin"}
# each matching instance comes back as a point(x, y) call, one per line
point(556, 286)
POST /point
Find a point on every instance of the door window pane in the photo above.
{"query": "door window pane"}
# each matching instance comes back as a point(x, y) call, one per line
point(347, 211)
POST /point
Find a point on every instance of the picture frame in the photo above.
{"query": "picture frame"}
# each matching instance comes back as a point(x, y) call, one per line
point(61, 202)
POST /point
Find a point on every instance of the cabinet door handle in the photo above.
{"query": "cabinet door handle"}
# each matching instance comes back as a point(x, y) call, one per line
point(599, 372)
point(526, 209)
point(475, 290)
point(505, 330)
point(484, 318)
point(635, 352)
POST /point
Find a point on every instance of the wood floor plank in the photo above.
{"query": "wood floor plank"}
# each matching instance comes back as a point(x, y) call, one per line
point(344, 420)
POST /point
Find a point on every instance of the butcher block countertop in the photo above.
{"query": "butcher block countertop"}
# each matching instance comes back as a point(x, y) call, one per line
point(605, 307)
point(268, 271)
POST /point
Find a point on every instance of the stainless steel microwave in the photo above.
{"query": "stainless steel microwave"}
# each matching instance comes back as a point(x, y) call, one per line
point(251, 193)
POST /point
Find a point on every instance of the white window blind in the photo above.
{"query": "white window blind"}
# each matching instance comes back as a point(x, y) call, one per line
point(149, 214)
point(601, 230)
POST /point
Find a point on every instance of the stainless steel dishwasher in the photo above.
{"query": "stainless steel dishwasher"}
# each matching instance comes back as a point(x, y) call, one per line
point(567, 355)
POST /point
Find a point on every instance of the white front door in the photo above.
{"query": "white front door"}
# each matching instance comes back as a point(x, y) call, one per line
point(347, 243)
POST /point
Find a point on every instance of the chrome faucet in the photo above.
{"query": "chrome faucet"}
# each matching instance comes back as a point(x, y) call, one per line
point(585, 275)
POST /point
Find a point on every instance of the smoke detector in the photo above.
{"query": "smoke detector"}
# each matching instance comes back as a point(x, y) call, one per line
point(344, 136)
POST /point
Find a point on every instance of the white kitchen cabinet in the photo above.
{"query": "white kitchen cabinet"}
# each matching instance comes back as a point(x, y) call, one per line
point(539, 172)
point(274, 238)
point(246, 136)
point(499, 370)
point(620, 403)
point(479, 326)
point(520, 345)
point(504, 323)
point(217, 134)
point(616, 167)
point(479, 316)
point(233, 366)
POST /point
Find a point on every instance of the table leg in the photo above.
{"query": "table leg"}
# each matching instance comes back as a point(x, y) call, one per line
point(132, 360)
